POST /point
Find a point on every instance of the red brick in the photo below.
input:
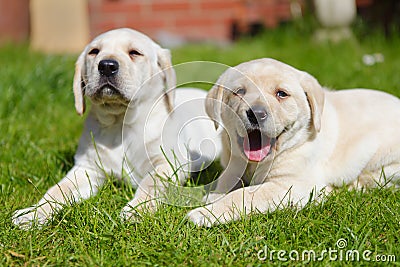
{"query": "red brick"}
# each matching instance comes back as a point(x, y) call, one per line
point(219, 4)
point(120, 7)
point(270, 22)
point(94, 3)
point(107, 25)
point(170, 6)
point(14, 20)
point(283, 10)
point(141, 23)
point(193, 19)
point(217, 32)
point(196, 21)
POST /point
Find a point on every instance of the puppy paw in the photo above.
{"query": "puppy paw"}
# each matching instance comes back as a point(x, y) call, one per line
point(212, 197)
point(202, 216)
point(133, 211)
point(219, 212)
point(129, 214)
point(29, 218)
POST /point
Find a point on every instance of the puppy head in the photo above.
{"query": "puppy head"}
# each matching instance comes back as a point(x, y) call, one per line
point(113, 67)
point(266, 105)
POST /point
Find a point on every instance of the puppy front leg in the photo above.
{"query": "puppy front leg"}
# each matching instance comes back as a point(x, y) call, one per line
point(149, 191)
point(226, 182)
point(80, 183)
point(230, 179)
point(253, 199)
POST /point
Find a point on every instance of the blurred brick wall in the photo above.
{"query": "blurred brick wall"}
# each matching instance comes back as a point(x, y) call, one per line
point(14, 20)
point(206, 20)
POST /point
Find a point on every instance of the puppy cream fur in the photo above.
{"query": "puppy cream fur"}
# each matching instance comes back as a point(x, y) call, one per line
point(130, 82)
point(316, 139)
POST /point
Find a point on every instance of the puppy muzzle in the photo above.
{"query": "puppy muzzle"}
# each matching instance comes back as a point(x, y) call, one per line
point(108, 67)
point(257, 115)
point(256, 144)
point(108, 86)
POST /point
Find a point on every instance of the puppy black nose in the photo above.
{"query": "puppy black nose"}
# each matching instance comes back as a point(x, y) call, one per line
point(108, 67)
point(256, 115)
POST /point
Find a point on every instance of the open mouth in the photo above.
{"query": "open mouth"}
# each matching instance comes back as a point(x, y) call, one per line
point(108, 95)
point(257, 146)
point(108, 89)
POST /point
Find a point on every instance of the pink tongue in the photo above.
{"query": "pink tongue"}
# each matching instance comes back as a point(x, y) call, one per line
point(256, 154)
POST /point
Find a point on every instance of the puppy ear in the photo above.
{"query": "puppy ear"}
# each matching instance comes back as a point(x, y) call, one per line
point(316, 98)
point(79, 84)
point(164, 62)
point(214, 104)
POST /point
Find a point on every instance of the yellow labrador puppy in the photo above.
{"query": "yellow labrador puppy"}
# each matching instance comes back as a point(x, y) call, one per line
point(129, 80)
point(294, 138)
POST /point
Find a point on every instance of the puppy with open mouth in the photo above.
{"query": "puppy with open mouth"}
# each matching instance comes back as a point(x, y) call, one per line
point(130, 82)
point(256, 143)
point(287, 138)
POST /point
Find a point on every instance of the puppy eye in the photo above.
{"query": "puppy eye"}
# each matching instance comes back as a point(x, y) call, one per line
point(281, 94)
point(94, 52)
point(240, 91)
point(134, 53)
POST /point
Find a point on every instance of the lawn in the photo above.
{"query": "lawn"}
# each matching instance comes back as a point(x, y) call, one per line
point(39, 134)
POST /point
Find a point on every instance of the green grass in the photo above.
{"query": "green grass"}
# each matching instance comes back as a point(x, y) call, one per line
point(39, 132)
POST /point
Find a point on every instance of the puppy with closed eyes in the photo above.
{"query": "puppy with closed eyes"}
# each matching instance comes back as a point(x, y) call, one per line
point(129, 81)
point(288, 137)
